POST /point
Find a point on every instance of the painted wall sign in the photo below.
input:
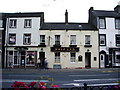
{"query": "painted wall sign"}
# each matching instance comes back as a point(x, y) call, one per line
point(64, 49)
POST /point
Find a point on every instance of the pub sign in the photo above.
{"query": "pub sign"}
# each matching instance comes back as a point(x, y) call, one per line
point(64, 49)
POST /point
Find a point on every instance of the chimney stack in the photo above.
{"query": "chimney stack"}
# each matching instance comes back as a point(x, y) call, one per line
point(66, 17)
point(117, 8)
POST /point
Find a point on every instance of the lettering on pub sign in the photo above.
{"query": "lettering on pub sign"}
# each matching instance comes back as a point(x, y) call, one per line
point(64, 49)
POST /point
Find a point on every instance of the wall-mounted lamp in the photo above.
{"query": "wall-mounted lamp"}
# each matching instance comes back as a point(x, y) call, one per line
point(41, 49)
point(88, 50)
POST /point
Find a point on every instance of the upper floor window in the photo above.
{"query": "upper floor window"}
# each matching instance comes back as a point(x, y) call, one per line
point(72, 39)
point(87, 40)
point(118, 40)
point(13, 23)
point(42, 39)
point(27, 39)
point(57, 39)
point(28, 23)
point(1, 23)
point(12, 38)
point(102, 23)
point(57, 57)
point(117, 23)
point(102, 40)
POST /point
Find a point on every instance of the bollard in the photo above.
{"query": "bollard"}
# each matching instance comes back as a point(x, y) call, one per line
point(85, 86)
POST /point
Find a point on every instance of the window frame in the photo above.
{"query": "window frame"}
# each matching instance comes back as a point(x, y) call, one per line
point(72, 39)
point(104, 40)
point(28, 23)
point(27, 36)
point(13, 23)
point(57, 57)
point(102, 24)
point(13, 37)
point(117, 24)
point(86, 40)
point(42, 39)
point(72, 59)
point(117, 41)
point(57, 39)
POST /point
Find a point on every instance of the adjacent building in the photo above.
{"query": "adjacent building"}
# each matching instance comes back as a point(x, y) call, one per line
point(108, 23)
point(22, 39)
point(2, 39)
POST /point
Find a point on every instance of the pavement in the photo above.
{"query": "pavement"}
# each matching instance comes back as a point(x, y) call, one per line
point(59, 70)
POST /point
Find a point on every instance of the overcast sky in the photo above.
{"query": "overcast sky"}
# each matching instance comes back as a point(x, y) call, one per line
point(54, 9)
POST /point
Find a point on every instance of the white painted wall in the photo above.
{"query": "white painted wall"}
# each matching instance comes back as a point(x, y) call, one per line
point(20, 31)
point(110, 32)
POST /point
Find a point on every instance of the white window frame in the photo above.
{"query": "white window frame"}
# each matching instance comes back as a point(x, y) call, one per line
point(87, 39)
point(27, 39)
point(57, 57)
point(12, 37)
point(102, 39)
point(117, 23)
point(72, 57)
point(42, 39)
point(13, 23)
point(72, 39)
point(117, 35)
point(28, 23)
point(102, 24)
point(57, 39)
point(1, 23)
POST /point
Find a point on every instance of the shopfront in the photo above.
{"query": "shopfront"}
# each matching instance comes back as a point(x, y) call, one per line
point(21, 59)
point(114, 57)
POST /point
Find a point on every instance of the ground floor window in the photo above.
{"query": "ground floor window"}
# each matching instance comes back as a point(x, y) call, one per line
point(30, 57)
point(22, 57)
point(117, 56)
point(72, 57)
point(57, 57)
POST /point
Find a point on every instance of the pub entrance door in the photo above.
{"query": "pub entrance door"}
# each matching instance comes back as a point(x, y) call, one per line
point(87, 60)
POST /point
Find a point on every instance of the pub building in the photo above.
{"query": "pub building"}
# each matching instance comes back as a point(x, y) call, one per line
point(69, 45)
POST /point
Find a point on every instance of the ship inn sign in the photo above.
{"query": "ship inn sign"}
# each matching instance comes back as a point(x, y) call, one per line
point(64, 49)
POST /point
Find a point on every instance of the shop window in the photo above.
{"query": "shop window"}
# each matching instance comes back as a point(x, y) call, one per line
point(12, 38)
point(102, 40)
point(72, 39)
point(72, 57)
point(117, 57)
point(10, 56)
point(28, 23)
point(13, 23)
point(102, 24)
point(16, 57)
point(30, 57)
point(57, 57)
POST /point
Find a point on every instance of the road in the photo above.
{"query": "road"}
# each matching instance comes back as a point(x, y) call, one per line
point(63, 78)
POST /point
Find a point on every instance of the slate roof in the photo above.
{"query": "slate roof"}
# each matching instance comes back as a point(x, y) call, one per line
point(68, 26)
point(103, 13)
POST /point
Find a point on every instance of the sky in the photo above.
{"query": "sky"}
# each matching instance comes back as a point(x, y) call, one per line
point(54, 10)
